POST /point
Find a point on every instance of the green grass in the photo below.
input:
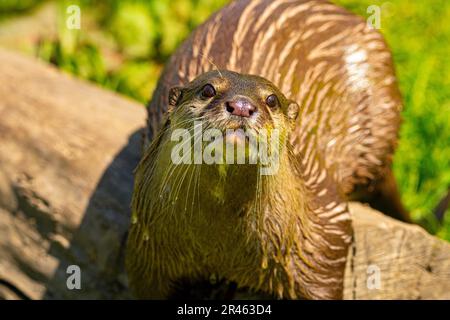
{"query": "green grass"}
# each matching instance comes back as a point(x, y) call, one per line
point(123, 45)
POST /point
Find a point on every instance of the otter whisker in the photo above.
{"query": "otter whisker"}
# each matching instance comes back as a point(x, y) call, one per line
point(212, 63)
point(172, 165)
point(178, 180)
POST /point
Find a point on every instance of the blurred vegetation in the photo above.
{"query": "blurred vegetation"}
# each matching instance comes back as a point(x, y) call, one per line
point(12, 7)
point(419, 34)
point(122, 45)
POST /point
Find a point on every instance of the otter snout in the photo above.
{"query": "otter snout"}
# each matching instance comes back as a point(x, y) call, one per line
point(241, 107)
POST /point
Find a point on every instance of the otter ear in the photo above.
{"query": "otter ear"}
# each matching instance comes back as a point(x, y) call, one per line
point(175, 95)
point(292, 110)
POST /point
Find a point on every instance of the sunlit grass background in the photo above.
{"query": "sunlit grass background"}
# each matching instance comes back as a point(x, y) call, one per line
point(122, 45)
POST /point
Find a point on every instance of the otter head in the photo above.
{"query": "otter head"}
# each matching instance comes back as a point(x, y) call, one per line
point(259, 231)
point(230, 100)
point(245, 109)
point(237, 95)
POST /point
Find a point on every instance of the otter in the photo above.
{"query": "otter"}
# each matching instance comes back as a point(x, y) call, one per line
point(320, 77)
point(261, 231)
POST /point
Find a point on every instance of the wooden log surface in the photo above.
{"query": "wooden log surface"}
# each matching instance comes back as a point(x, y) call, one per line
point(409, 263)
point(68, 149)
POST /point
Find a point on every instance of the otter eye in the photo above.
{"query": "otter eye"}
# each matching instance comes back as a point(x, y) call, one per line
point(208, 91)
point(272, 101)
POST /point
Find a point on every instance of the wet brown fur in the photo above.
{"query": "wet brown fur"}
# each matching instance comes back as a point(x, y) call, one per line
point(294, 243)
point(262, 232)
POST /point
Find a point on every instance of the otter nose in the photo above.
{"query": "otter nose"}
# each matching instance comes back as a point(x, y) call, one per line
point(240, 107)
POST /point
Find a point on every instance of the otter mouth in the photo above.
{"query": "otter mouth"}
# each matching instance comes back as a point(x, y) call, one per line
point(232, 123)
point(234, 129)
point(227, 141)
point(237, 136)
point(235, 122)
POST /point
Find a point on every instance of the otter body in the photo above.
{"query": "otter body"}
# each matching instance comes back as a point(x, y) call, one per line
point(337, 108)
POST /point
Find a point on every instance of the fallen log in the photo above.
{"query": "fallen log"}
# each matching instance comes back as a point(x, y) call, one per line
point(390, 259)
point(68, 149)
